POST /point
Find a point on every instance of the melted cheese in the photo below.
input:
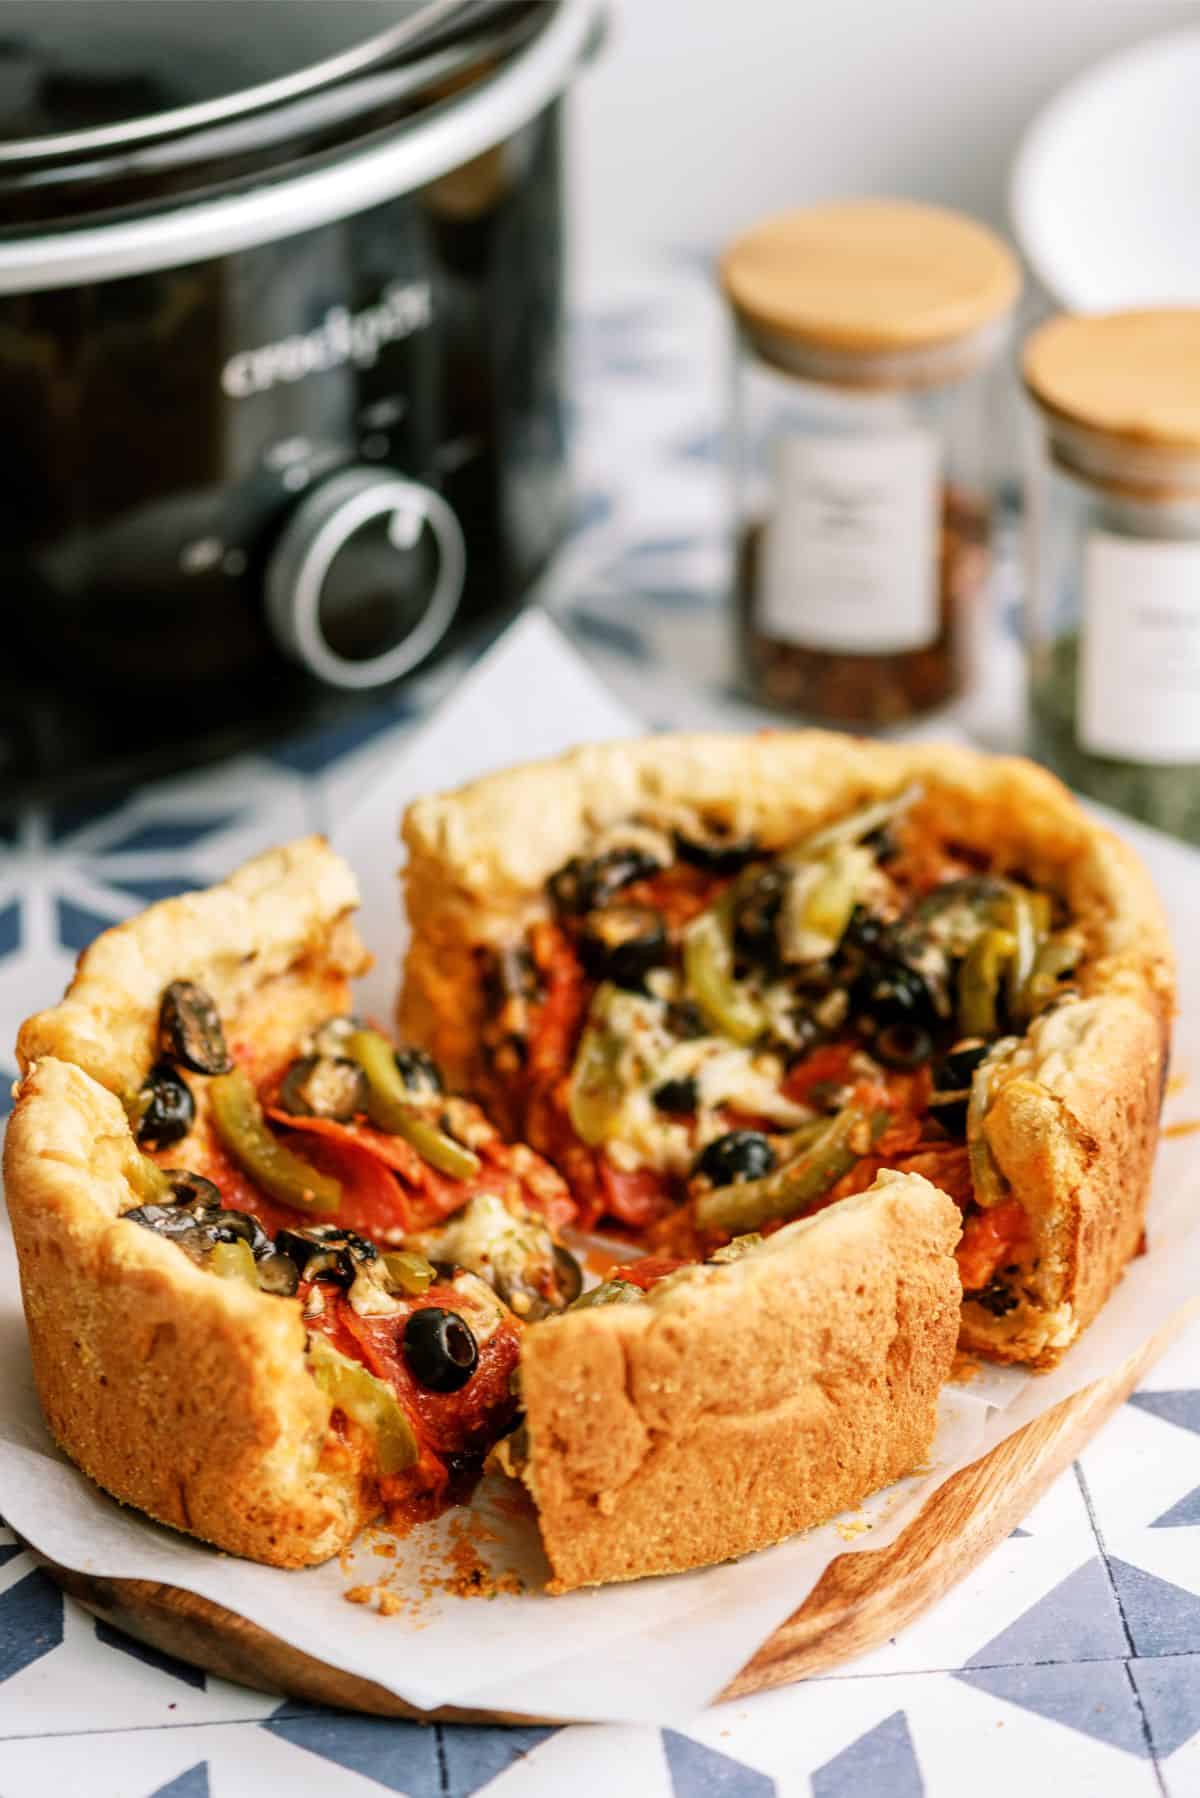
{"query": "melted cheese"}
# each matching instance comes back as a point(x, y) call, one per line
point(745, 1080)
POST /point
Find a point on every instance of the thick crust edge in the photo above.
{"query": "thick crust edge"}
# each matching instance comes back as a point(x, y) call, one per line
point(178, 1392)
point(183, 1394)
point(741, 1403)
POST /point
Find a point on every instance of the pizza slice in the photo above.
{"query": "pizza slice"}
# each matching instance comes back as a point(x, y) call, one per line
point(280, 1281)
point(722, 982)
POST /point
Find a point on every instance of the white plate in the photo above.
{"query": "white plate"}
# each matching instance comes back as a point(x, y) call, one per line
point(1105, 190)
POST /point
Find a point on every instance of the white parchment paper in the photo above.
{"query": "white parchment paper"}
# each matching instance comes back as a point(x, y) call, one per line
point(656, 1650)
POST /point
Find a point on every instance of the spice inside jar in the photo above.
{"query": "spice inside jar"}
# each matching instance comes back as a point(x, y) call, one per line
point(860, 444)
point(1113, 540)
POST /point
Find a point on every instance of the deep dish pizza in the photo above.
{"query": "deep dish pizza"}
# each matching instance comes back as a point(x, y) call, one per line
point(279, 1280)
point(720, 982)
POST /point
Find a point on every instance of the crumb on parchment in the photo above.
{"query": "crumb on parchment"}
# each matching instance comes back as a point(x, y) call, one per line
point(453, 1564)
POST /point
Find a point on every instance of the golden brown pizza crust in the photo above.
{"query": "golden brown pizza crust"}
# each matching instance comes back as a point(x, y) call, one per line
point(738, 1404)
point(184, 1394)
point(178, 1392)
point(1078, 1148)
point(288, 910)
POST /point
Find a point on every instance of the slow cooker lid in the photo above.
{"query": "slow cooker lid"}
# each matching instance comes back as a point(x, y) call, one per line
point(173, 100)
point(265, 175)
point(77, 78)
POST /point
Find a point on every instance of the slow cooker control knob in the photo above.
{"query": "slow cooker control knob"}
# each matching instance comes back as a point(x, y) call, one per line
point(365, 577)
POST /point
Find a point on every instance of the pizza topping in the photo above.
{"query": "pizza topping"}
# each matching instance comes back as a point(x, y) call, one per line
point(190, 1213)
point(717, 852)
point(585, 883)
point(799, 1183)
point(326, 1086)
point(164, 1109)
point(952, 1079)
point(390, 1107)
point(726, 1004)
point(610, 1292)
point(332, 1036)
point(677, 1097)
point(189, 1029)
point(738, 1155)
point(622, 944)
point(514, 1253)
point(440, 1349)
point(409, 1272)
point(242, 1130)
point(369, 1401)
point(326, 1252)
point(419, 1072)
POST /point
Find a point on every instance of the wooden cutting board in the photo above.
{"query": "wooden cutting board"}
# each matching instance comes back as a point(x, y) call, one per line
point(860, 1601)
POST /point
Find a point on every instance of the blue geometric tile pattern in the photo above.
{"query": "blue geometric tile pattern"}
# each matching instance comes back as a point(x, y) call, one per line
point(883, 1760)
point(399, 1757)
point(150, 1657)
point(700, 1772)
point(1096, 1700)
point(31, 1622)
point(472, 1757)
point(192, 1784)
point(1163, 1618)
point(1077, 1620)
point(1061, 1664)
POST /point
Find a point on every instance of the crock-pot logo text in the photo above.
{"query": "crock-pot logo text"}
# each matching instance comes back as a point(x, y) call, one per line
point(341, 337)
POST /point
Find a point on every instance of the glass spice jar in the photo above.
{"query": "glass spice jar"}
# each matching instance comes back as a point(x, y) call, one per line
point(860, 453)
point(1113, 545)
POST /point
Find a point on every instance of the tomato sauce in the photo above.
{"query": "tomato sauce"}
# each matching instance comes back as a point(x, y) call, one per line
point(454, 1430)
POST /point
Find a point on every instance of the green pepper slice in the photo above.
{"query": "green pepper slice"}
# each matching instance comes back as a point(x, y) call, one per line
point(828, 907)
point(708, 971)
point(390, 1108)
point(237, 1116)
point(234, 1261)
point(1061, 955)
point(609, 1292)
point(409, 1272)
point(1022, 921)
point(857, 824)
point(594, 1094)
point(748, 1204)
point(368, 1401)
point(979, 981)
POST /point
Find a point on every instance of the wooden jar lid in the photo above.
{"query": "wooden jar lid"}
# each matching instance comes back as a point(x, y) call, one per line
point(869, 276)
point(1131, 376)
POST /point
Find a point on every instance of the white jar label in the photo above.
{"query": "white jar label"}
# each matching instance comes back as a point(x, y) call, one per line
point(850, 557)
point(1139, 676)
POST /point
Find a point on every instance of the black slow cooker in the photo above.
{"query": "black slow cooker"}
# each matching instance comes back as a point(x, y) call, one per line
point(280, 334)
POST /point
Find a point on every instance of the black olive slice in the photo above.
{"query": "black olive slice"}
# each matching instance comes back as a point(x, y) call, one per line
point(419, 1072)
point(324, 1086)
point(189, 1029)
point(568, 1275)
point(166, 1106)
point(677, 1097)
point(756, 917)
point(192, 1190)
point(326, 1252)
point(239, 1226)
point(738, 1155)
point(892, 992)
point(440, 1349)
point(902, 1044)
point(278, 1275)
point(622, 944)
point(584, 882)
point(718, 854)
point(957, 1069)
point(684, 1018)
point(995, 1297)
